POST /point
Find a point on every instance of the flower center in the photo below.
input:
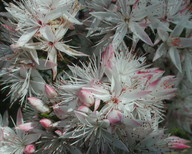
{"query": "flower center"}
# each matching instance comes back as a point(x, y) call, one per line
point(115, 100)
point(50, 43)
point(126, 19)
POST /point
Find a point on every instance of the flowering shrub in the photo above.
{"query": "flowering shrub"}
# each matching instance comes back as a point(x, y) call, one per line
point(115, 96)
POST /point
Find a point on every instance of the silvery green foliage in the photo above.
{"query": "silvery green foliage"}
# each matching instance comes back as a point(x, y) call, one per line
point(181, 107)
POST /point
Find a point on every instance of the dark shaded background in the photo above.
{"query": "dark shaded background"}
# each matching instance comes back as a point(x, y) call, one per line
point(5, 104)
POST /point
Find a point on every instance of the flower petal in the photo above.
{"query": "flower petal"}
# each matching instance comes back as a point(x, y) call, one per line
point(19, 117)
point(175, 57)
point(69, 51)
point(31, 138)
point(120, 33)
point(72, 19)
point(107, 16)
point(48, 33)
point(140, 33)
point(26, 36)
point(160, 51)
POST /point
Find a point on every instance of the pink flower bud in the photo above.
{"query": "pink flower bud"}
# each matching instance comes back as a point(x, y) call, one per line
point(27, 126)
point(86, 97)
point(50, 92)
point(60, 111)
point(115, 117)
point(46, 123)
point(179, 146)
point(38, 104)
point(84, 109)
point(177, 143)
point(58, 132)
point(29, 149)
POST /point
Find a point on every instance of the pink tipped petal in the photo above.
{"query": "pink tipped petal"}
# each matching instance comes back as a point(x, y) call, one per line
point(19, 117)
point(27, 126)
point(180, 42)
point(154, 84)
point(97, 104)
point(179, 146)
point(107, 57)
point(84, 109)
point(29, 149)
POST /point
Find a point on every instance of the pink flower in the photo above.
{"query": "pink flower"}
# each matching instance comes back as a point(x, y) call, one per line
point(177, 143)
point(59, 132)
point(38, 104)
point(46, 123)
point(115, 117)
point(86, 97)
point(29, 149)
point(50, 92)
